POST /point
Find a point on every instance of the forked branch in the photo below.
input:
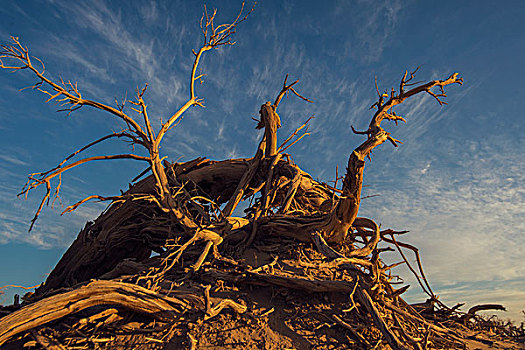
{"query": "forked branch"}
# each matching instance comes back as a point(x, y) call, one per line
point(35, 180)
point(285, 90)
point(270, 120)
point(348, 206)
point(284, 146)
point(16, 57)
point(65, 93)
point(213, 38)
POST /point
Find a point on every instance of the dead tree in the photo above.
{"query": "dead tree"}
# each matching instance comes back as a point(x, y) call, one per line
point(175, 211)
point(137, 132)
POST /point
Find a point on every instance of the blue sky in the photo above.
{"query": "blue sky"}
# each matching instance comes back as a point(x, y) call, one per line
point(456, 183)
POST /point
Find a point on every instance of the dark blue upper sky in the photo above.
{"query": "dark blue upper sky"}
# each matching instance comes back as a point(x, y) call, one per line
point(456, 183)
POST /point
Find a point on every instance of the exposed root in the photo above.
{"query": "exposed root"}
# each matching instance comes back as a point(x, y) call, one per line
point(300, 263)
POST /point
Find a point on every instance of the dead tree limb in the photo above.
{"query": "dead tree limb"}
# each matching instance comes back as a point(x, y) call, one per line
point(348, 206)
point(98, 292)
point(271, 121)
point(368, 303)
point(126, 295)
point(176, 212)
point(68, 94)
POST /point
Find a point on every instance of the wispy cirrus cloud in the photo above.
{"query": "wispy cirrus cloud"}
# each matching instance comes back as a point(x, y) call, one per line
point(373, 24)
point(124, 50)
point(13, 160)
point(466, 220)
point(51, 231)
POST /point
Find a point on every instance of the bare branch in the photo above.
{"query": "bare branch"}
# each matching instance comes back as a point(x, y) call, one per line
point(297, 140)
point(44, 177)
point(91, 144)
point(396, 99)
point(35, 180)
point(72, 207)
point(57, 191)
point(344, 214)
point(426, 287)
point(285, 90)
point(68, 91)
point(44, 200)
point(359, 132)
point(305, 124)
point(143, 111)
point(213, 38)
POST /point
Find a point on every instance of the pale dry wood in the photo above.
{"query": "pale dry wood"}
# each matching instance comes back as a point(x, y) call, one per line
point(281, 279)
point(482, 307)
point(370, 306)
point(130, 296)
point(68, 93)
point(245, 180)
point(178, 205)
point(47, 343)
point(126, 295)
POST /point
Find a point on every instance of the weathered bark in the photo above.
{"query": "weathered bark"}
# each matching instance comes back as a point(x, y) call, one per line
point(368, 303)
point(126, 295)
point(126, 231)
point(176, 211)
point(282, 280)
point(336, 225)
point(57, 306)
point(271, 122)
point(347, 208)
point(245, 181)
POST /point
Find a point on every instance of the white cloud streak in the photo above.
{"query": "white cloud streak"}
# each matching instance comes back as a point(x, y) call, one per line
point(467, 220)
